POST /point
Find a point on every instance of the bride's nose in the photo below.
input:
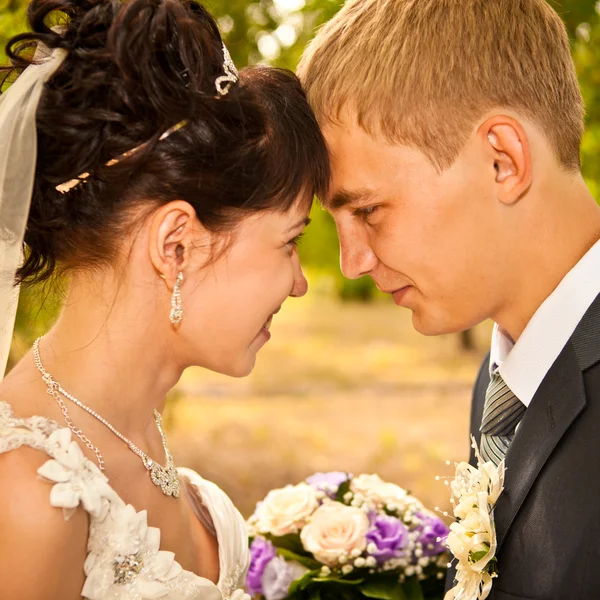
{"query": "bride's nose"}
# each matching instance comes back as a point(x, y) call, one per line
point(300, 286)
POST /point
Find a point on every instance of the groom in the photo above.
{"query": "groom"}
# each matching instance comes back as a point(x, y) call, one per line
point(454, 128)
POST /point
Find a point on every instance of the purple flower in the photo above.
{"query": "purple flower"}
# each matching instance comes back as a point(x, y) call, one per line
point(262, 553)
point(432, 529)
point(328, 482)
point(390, 536)
point(278, 577)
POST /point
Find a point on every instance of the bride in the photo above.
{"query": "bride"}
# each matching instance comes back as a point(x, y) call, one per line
point(169, 191)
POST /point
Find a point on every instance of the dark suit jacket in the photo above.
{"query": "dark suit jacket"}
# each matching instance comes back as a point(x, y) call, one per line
point(548, 517)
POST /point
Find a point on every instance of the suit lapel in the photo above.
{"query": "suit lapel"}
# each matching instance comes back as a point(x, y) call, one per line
point(481, 384)
point(586, 339)
point(558, 401)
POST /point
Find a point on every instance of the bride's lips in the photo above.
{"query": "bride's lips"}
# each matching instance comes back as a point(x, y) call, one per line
point(268, 322)
point(267, 325)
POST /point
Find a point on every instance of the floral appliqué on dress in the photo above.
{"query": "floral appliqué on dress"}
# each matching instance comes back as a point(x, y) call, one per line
point(124, 560)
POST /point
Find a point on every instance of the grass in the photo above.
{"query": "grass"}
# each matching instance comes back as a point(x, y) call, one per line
point(339, 387)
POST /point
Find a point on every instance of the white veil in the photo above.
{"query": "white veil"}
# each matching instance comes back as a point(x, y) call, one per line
point(18, 155)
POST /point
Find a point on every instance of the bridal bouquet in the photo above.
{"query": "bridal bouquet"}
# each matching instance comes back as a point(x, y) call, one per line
point(339, 537)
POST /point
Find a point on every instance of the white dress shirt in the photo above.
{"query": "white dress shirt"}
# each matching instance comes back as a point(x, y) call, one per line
point(524, 364)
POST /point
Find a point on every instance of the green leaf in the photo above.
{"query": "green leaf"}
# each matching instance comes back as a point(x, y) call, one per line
point(289, 542)
point(492, 567)
point(337, 591)
point(305, 561)
point(475, 556)
point(313, 588)
point(315, 594)
point(302, 583)
point(412, 589)
point(391, 513)
point(327, 580)
point(433, 588)
point(389, 589)
point(342, 491)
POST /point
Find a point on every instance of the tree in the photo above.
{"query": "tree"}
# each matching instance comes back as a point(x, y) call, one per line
point(276, 32)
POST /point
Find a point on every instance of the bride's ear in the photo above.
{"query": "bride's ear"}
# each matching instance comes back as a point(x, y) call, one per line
point(173, 230)
point(508, 150)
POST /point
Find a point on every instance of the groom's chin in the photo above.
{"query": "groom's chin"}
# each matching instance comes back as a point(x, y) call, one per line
point(432, 325)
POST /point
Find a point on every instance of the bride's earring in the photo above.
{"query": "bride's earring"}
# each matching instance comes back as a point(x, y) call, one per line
point(176, 315)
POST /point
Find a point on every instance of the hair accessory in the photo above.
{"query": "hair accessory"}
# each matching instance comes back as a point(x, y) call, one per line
point(63, 188)
point(222, 84)
point(231, 76)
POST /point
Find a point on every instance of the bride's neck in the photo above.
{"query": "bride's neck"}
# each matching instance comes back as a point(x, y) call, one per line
point(109, 351)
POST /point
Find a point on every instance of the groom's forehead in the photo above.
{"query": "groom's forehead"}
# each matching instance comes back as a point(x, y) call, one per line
point(354, 165)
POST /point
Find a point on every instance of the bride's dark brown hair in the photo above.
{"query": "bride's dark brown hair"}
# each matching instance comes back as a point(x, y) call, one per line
point(133, 70)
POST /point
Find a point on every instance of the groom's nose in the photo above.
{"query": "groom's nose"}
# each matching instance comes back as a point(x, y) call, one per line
point(356, 256)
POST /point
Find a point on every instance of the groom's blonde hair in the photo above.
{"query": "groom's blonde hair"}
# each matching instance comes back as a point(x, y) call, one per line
point(421, 72)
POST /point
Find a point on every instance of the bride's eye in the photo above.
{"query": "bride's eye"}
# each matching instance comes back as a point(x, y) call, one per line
point(295, 241)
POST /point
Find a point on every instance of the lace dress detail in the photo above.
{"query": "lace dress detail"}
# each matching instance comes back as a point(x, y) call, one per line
point(124, 560)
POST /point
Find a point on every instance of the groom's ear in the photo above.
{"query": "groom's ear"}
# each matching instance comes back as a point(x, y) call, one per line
point(508, 150)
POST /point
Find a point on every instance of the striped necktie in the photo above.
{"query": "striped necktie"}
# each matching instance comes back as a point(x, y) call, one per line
point(502, 413)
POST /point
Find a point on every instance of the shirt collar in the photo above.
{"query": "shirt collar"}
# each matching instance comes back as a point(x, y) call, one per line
point(524, 364)
point(502, 344)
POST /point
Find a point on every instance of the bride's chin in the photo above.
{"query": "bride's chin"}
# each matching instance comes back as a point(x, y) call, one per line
point(243, 368)
point(242, 365)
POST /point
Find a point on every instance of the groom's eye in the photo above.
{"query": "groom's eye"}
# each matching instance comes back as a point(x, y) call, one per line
point(365, 212)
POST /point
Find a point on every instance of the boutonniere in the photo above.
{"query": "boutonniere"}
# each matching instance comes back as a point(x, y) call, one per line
point(472, 538)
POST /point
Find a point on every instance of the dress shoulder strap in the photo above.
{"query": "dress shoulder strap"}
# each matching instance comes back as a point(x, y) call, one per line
point(29, 431)
point(75, 479)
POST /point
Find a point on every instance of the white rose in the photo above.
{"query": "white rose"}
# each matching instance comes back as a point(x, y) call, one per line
point(335, 530)
point(378, 491)
point(286, 510)
point(459, 543)
point(474, 522)
point(468, 537)
point(465, 505)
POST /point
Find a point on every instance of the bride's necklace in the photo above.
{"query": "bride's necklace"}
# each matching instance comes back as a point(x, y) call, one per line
point(163, 477)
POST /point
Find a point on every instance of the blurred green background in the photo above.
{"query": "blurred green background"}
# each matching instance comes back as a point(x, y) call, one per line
point(346, 383)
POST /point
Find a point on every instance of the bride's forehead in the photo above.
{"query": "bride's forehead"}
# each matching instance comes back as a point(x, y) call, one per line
point(294, 218)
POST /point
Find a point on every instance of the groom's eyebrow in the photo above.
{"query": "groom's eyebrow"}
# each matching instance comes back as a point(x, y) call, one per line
point(344, 197)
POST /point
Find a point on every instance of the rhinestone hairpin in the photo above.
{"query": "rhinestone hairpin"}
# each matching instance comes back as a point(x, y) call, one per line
point(231, 76)
point(63, 188)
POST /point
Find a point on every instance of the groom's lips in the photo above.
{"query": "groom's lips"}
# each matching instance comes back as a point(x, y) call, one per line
point(400, 294)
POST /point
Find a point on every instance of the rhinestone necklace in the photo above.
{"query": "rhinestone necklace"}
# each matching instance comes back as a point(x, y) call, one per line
point(163, 477)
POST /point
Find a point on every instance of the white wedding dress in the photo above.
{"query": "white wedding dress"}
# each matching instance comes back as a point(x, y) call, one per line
point(124, 560)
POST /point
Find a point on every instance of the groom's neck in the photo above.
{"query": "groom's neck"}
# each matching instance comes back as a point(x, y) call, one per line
point(560, 222)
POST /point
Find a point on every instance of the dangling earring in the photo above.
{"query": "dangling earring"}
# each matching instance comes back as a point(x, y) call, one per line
point(176, 315)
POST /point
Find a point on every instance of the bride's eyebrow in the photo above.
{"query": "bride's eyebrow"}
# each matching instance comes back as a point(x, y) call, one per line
point(303, 222)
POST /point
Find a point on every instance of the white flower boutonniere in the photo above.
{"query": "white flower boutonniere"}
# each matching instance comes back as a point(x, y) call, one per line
point(472, 538)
